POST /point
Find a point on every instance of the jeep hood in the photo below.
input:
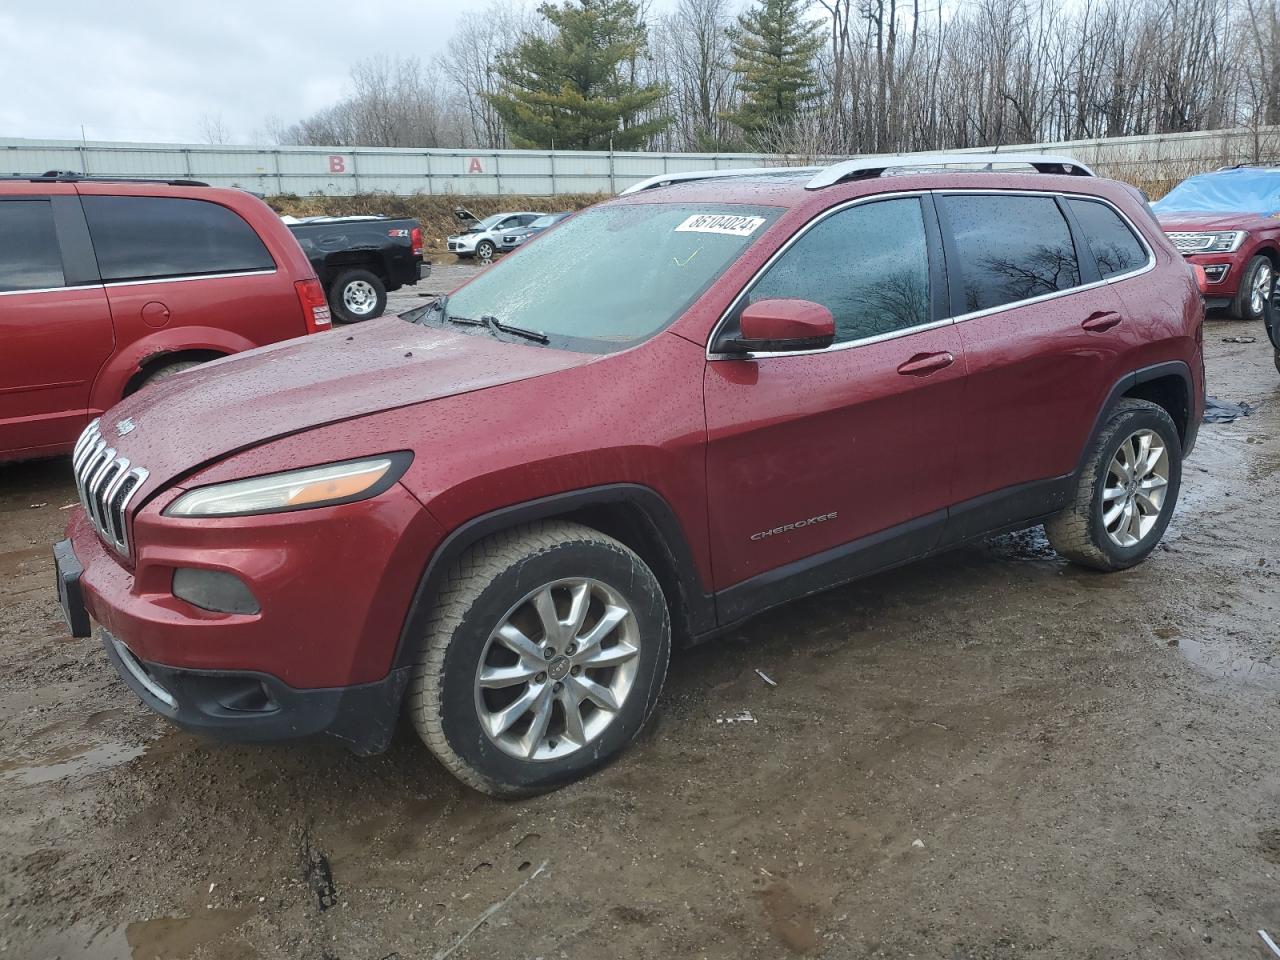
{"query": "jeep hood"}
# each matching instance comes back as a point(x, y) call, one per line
point(183, 423)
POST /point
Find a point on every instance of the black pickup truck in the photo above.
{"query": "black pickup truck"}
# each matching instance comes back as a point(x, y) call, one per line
point(359, 259)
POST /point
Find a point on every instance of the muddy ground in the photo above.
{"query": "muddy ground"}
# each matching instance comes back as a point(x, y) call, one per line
point(987, 755)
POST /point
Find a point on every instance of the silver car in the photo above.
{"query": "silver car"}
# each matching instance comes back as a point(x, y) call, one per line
point(481, 239)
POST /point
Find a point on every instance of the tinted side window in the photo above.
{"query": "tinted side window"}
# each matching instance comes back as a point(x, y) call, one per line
point(1010, 248)
point(1113, 244)
point(868, 265)
point(29, 254)
point(140, 238)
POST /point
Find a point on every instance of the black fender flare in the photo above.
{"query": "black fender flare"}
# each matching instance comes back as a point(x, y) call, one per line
point(1126, 383)
point(692, 597)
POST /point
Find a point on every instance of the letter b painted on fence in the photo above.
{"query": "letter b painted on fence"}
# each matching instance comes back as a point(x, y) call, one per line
point(337, 164)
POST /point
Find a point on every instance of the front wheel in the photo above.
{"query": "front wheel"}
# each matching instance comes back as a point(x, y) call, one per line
point(357, 295)
point(543, 658)
point(1126, 492)
point(1254, 297)
point(485, 251)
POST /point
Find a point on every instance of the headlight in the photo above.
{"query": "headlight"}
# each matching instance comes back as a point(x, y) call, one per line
point(1227, 241)
point(295, 490)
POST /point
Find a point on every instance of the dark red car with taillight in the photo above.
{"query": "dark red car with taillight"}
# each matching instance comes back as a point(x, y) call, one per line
point(716, 393)
point(107, 286)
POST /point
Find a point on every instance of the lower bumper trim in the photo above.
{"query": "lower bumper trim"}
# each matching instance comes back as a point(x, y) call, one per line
point(247, 706)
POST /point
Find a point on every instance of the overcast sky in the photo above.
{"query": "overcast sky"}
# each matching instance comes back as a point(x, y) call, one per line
point(148, 70)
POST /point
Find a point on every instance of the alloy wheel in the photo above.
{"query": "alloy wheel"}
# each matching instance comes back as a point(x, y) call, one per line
point(359, 297)
point(556, 671)
point(1260, 290)
point(1136, 484)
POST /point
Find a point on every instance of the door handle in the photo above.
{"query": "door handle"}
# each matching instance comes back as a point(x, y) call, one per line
point(923, 364)
point(1104, 320)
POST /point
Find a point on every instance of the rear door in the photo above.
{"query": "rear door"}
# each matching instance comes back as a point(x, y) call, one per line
point(1042, 333)
point(827, 460)
point(175, 262)
point(55, 325)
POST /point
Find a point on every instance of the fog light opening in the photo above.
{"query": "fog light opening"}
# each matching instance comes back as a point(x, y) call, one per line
point(214, 590)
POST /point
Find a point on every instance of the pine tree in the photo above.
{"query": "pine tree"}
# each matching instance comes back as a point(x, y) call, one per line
point(577, 86)
point(775, 47)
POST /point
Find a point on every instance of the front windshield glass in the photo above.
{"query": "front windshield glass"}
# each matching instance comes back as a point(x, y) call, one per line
point(485, 224)
point(545, 221)
point(611, 275)
point(1230, 191)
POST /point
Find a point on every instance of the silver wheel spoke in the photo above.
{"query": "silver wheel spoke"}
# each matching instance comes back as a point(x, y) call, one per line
point(1146, 506)
point(1112, 493)
point(1112, 515)
point(546, 608)
point(495, 678)
point(579, 604)
point(571, 701)
point(541, 717)
point(515, 641)
point(1153, 483)
point(606, 625)
point(609, 656)
point(502, 721)
point(602, 697)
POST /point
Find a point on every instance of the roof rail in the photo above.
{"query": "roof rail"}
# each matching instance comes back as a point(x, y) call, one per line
point(875, 166)
point(70, 176)
point(664, 179)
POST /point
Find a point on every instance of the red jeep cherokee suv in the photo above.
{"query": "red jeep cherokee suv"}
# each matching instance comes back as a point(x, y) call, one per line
point(107, 285)
point(703, 398)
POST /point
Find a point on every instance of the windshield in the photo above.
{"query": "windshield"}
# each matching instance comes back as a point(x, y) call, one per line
point(1228, 191)
point(612, 275)
point(547, 220)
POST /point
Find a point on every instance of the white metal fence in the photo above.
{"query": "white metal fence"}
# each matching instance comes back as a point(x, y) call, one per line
point(347, 170)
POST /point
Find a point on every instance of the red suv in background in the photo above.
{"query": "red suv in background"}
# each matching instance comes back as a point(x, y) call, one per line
point(714, 394)
point(109, 285)
point(1226, 223)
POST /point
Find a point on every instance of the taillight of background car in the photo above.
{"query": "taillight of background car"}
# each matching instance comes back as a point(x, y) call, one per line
point(416, 241)
point(315, 308)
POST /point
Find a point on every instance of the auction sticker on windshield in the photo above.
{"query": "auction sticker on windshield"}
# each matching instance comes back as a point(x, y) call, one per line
point(721, 223)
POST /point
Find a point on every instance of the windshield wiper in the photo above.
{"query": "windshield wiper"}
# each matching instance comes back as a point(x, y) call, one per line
point(535, 335)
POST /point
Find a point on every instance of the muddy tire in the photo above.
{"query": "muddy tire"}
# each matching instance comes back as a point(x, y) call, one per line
point(1278, 361)
point(165, 372)
point(357, 295)
point(1247, 305)
point(1126, 492)
point(543, 658)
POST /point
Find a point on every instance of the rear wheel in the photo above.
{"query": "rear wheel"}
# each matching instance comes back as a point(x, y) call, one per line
point(1254, 297)
point(1126, 492)
point(543, 658)
point(167, 371)
point(357, 295)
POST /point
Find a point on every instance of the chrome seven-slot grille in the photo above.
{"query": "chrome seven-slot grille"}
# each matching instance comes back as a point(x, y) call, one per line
point(1191, 242)
point(106, 483)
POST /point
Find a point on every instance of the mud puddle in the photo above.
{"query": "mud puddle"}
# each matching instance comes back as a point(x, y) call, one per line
point(1224, 661)
point(70, 762)
point(162, 938)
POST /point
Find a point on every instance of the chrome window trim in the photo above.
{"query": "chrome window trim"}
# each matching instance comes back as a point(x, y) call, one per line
point(936, 324)
point(76, 286)
point(184, 278)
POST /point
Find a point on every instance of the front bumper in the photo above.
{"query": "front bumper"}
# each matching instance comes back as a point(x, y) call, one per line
point(334, 585)
point(253, 707)
point(1227, 269)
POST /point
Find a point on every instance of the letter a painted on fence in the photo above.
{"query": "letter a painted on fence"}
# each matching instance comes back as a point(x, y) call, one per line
point(473, 165)
point(337, 164)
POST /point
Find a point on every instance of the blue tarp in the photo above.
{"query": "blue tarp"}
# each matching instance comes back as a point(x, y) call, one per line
point(1246, 190)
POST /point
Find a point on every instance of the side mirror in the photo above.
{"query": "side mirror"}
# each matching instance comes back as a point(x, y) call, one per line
point(775, 325)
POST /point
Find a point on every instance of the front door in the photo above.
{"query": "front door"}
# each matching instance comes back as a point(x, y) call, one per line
point(824, 464)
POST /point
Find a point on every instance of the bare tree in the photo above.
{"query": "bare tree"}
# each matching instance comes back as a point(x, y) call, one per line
point(212, 130)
